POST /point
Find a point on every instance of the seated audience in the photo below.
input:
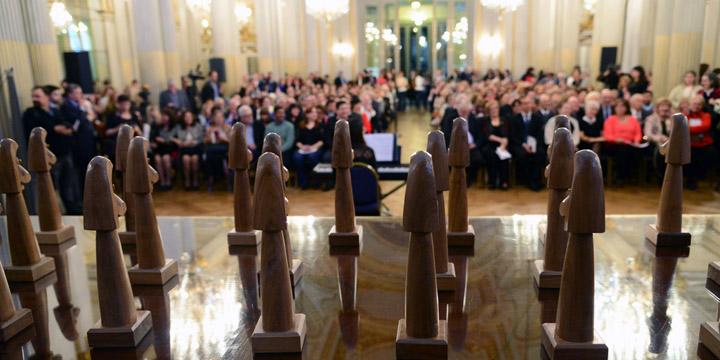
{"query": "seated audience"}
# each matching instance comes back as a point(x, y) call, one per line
point(122, 116)
point(188, 136)
point(361, 152)
point(162, 147)
point(217, 144)
point(688, 88)
point(591, 128)
point(527, 144)
point(564, 108)
point(497, 133)
point(309, 147)
point(658, 125)
point(475, 140)
point(286, 130)
point(622, 134)
point(254, 131)
point(703, 153)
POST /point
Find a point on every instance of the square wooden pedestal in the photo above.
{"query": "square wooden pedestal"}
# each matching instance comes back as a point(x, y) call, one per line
point(446, 281)
point(546, 278)
point(666, 239)
point(346, 239)
point(21, 320)
point(156, 290)
point(249, 238)
point(32, 272)
point(57, 249)
point(65, 233)
point(33, 287)
point(462, 238)
point(674, 251)
point(12, 348)
point(416, 348)
point(558, 349)
point(710, 337)
point(156, 276)
point(704, 353)
point(291, 341)
point(128, 242)
point(118, 337)
point(712, 284)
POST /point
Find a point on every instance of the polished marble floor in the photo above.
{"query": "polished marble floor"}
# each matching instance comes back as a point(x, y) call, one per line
point(646, 306)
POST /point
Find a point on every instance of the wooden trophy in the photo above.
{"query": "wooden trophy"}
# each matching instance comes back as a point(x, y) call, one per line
point(120, 324)
point(460, 233)
point(152, 268)
point(40, 160)
point(239, 159)
point(27, 262)
point(421, 334)
point(667, 230)
point(273, 144)
point(710, 331)
point(279, 329)
point(559, 172)
point(444, 269)
point(345, 232)
point(561, 121)
point(66, 313)
point(348, 317)
point(127, 237)
point(12, 321)
point(572, 336)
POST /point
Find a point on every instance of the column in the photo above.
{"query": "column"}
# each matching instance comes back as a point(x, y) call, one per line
point(105, 19)
point(570, 13)
point(638, 39)
point(188, 30)
point(149, 45)
point(271, 26)
point(678, 42)
point(172, 57)
point(226, 40)
point(124, 38)
point(13, 54)
point(42, 44)
point(607, 32)
point(711, 34)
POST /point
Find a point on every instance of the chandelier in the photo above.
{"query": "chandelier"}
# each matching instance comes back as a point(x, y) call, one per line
point(59, 15)
point(327, 9)
point(501, 5)
point(242, 13)
point(372, 33)
point(199, 6)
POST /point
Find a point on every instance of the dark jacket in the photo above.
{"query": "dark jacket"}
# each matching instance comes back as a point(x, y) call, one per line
point(207, 92)
point(519, 132)
point(183, 101)
point(84, 146)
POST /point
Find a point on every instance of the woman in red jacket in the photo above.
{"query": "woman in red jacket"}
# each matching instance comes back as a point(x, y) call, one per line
point(622, 135)
point(702, 154)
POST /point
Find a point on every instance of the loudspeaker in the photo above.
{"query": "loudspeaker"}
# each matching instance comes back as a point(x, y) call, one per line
point(608, 57)
point(78, 71)
point(218, 64)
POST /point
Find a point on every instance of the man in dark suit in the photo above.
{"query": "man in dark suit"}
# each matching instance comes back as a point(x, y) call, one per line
point(545, 109)
point(636, 108)
point(174, 98)
point(607, 103)
point(84, 145)
point(342, 113)
point(254, 130)
point(211, 89)
point(526, 143)
point(475, 139)
point(339, 80)
point(448, 117)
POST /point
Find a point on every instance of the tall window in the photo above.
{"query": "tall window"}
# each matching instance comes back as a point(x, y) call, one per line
point(442, 35)
point(460, 35)
point(372, 39)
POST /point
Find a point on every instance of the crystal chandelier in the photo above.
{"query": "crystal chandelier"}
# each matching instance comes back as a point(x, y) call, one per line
point(501, 5)
point(199, 6)
point(59, 15)
point(327, 9)
point(242, 13)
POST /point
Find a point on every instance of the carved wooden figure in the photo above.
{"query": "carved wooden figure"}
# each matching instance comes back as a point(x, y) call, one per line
point(273, 144)
point(710, 331)
point(239, 158)
point(27, 262)
point(120, 324)
point(444, 269)
point(152, 268)
point(40, 160)
point(559, 172)
point(460, 233)
point(279, 329)
point(127, 237)
point(345, 232)
point(572, 336)
point(421, 334)
point(561, 121)
point(12, 320)
point(667, 231)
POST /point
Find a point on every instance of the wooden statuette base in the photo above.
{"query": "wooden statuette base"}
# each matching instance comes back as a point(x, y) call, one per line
point(57, 249)
point(713, 272)
point(558, 349)
point(462, 238)
point(32, 272)
point(291, 341)
point(124, 336)
point(417, 348)
point(710, 337)
point(704, 353)
point(157, 276)
point(446, 281)
point(127, 238)
point(33, 287)
point(56, 237)
point(249, 238)
point(21, 320)
point(546, 279)
point(346, 239)
point(666, 239)
point(296, 272)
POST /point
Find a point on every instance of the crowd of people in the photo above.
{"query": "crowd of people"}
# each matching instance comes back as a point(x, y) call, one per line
point(510, 120)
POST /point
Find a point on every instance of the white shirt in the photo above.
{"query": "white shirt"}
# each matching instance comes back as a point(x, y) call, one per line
point(419, 83)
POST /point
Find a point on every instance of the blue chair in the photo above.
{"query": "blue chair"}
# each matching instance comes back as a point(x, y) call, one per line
point(366, 190)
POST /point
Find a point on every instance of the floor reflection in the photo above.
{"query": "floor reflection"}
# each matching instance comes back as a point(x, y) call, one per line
point(348, 317)
point(33, 296)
